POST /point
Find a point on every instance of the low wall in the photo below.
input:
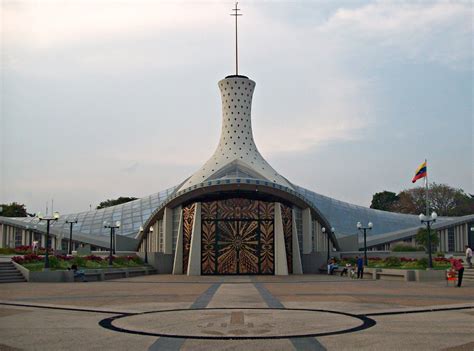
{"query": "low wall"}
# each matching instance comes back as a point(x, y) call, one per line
point(45, 276)
point(117, 273)
point(407, 275)
point(163, 263)
point(313, 261)
point(430, 275)
point(385, 254)
point(61, 276)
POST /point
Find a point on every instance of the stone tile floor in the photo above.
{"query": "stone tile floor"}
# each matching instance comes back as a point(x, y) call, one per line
point(376, 315)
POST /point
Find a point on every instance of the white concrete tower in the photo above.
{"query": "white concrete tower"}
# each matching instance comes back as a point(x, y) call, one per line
point(236, 155)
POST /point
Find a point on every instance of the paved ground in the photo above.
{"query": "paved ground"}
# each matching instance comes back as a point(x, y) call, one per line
point(311, 312)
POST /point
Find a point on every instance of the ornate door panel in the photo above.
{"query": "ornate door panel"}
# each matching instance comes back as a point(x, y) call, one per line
point(227, 255)
point(237, 237)
point(247, 245)
point(267, 247)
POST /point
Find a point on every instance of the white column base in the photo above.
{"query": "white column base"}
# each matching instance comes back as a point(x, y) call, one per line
point(281, 265)
point(194, 264)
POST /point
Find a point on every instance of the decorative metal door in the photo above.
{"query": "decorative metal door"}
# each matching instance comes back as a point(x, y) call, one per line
point(237, 237)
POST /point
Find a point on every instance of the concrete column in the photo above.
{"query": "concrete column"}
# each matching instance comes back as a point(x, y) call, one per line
point(154, 247)
point(465, 231)
point(194, 264)
point(297, 266)
point(307, 240)
point(281, 265)
point(178, 254)
point(168, 231)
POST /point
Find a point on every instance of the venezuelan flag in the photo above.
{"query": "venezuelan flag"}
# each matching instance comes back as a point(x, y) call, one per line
point(421, 172)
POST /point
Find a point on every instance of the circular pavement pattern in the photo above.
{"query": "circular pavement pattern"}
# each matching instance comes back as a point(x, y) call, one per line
point(239, 323)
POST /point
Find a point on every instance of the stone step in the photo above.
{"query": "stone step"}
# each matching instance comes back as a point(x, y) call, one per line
point(22, 280)
point(9, 273)
point(10, 279)
point(6, 271)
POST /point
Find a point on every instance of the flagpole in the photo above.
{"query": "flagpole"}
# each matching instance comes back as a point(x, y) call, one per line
point(426, 186)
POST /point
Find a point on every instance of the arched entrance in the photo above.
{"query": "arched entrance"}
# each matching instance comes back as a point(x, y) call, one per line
point(237, 236)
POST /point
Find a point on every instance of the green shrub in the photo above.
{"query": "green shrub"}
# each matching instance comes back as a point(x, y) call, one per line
point(54, 262)
point(423, 262)
point(439, 254)
point(79, 261)
point(404, 248)
point(410, 265)
point(393, 262)
point(120, 261)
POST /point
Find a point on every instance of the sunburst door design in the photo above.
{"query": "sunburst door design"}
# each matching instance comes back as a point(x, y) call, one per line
point(237, 237)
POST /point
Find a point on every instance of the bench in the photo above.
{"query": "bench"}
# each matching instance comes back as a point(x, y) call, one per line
point(100, 275)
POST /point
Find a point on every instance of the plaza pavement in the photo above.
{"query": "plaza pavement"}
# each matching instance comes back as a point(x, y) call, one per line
point(165, 312)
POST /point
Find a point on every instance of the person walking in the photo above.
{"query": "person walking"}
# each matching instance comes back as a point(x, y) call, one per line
point(469, 256)
point(360, 267)
point(457, 266)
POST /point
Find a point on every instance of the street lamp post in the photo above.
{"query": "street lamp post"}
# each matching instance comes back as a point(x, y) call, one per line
point(323, 229)
point(428, 221)
point(71, 223)
point(369, 227)
point(54, 217)
point(112, 231)
point(150, 231)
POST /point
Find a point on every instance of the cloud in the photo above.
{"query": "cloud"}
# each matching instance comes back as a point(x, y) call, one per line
point(440, 32)
point(132, 168)
point(49, 23)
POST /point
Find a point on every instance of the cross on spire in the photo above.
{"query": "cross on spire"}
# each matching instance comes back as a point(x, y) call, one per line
point(236, 14)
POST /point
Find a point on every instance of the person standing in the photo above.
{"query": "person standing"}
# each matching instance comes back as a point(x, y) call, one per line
point(360, 267)
point(469, 256)
point(457, 266)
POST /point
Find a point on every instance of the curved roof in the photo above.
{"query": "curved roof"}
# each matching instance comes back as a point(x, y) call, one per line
point(91, 223)
point(344, 216)
point(341, 215)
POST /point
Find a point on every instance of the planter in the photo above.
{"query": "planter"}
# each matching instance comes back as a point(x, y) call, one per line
point(407, 275)
point(430, 275)
point(90, 274)
point(45, 276)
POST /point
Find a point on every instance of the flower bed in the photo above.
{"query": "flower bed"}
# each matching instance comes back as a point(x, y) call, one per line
point(401, 262)
point(23, 250)
point(35, 262)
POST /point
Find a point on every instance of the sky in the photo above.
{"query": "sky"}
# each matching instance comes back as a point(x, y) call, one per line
point(108, 98)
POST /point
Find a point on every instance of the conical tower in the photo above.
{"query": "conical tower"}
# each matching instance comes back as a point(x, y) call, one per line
point(236, 155)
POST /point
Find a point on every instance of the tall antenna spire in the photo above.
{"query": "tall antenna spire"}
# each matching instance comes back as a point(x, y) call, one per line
point(236, 14)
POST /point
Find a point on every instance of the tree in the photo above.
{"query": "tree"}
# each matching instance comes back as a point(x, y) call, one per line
point(422, 238)
point(114, 202)
point(443, 199)
point(464, 205)
point(384, 200)
point(13, 210)
point(411, 201)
